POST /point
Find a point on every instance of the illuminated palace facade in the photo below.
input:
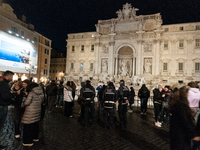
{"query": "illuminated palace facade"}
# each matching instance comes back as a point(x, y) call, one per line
point(133, 47)
point(21, 48)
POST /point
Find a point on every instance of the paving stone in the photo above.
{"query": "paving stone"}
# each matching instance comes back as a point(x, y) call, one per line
point(61, 133)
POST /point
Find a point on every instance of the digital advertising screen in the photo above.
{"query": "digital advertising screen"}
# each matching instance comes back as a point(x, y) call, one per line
point(15, 53)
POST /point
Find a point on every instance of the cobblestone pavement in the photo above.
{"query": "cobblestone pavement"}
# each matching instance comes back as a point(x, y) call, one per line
point(61, 133)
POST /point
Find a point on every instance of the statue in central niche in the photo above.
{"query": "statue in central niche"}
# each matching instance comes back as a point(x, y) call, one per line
point(124, 69)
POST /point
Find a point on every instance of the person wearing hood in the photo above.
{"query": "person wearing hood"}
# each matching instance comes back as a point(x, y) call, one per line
point(68, 99)
point(88, 94)
point(194, 98)
point(124, 97)
point(32, 114)
point(51, 91)
point(5, 97)
point(143, 94)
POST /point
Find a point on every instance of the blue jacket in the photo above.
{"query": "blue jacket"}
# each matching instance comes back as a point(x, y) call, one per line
point(5, 94)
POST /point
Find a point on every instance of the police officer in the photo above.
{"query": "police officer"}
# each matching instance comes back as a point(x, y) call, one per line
point(109, 98)
point(88, 95)
point(123, 95)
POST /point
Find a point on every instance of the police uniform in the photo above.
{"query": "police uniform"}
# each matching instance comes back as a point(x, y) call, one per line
point(88, 94)
point(123, 95)
point(109, 98)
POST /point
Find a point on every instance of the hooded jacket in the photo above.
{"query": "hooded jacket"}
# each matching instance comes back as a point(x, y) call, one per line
point(32, 106)
point(5, 94)
point(194, 97)
point(68, 94)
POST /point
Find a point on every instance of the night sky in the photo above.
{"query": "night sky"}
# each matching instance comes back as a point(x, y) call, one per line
point(56, 18)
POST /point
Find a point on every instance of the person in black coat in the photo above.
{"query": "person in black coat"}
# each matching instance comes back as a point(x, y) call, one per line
point(131, 101)
point(157, 99)
point(51, 91)
point(182, 127)
point(143, 94)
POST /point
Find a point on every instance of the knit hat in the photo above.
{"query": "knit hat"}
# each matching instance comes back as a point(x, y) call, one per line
point(167, 86)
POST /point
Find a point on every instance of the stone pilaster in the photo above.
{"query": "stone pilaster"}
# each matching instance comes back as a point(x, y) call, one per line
point(111, 54)
point(97, 59)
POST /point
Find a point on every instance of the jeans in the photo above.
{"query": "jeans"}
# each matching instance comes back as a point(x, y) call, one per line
point(157, 108)
point(17, 119)
point(144, 104)
point(164, 111)
point(59, 100)
point(88, 106)
point(3, 115)
point(122, 109)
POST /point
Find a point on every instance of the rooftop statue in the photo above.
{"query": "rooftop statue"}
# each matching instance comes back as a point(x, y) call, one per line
point(128, 12)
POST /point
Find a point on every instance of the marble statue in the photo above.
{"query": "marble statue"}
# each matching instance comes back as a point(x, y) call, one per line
point(97, 28)
point(147, 66)
point(112, 27)
point(105, 67)
point(141, 22)
point(119, 14)
point(124, 69)
point(105, 49)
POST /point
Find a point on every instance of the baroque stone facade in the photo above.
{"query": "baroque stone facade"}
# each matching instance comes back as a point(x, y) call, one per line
point(132, 47)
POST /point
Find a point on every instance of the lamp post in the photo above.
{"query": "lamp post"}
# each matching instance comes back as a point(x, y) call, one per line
point(29, 68)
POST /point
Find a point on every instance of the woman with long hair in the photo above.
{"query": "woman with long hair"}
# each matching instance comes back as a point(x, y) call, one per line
point(182, 127)
point(68, 100)
point(131, 101)
point(73, 86)
point(32, 114)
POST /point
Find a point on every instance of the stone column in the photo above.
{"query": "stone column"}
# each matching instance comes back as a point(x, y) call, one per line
point(133, 63)
point(139, 53)
point(116, 64)
point(157, 51)
point(111, 54)
point(97, 59)
point(173, 63)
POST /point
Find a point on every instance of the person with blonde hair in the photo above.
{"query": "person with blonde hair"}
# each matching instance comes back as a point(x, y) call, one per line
point(182, 127)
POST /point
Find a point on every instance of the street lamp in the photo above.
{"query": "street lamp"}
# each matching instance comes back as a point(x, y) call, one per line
point(30, 68)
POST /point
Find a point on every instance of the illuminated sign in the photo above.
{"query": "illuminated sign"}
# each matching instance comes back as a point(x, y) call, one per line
point(15, 53)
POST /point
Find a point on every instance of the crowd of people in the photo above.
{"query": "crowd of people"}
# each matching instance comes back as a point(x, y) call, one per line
point(180, 106)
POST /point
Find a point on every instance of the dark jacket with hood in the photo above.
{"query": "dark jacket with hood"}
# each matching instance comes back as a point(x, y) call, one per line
point(144, 92)
point(52, 89)
point(5, 94)
point(109, 96)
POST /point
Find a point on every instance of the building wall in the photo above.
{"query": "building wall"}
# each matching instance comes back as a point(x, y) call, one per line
point(134, 46)
point(58, 68)
point(25, 32)
point(44, 58)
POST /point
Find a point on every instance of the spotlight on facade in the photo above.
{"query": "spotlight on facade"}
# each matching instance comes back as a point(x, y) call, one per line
point(22, 37)
point(17, 34)
point(33, 42)
point(10, 32)
point(28, 40)
point(92, 35)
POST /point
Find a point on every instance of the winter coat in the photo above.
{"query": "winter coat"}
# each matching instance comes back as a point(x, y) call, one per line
point(60, 89)
point(144, 92)
point(131, 101)
point(32, 106)
point(51, 89)
point(91, 88)
point(157, 96)
point(18, 99)
point(182, 128)
point(194, 97)
point(5, 94)
point(67, 94)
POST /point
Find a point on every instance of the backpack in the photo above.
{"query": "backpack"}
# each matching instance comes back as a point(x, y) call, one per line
point(87, 93)
point(109, 94)
point(125, 92)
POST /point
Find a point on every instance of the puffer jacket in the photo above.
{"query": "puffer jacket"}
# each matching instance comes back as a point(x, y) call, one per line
point(32, 106)
point(194, 97)
point(68, 94)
